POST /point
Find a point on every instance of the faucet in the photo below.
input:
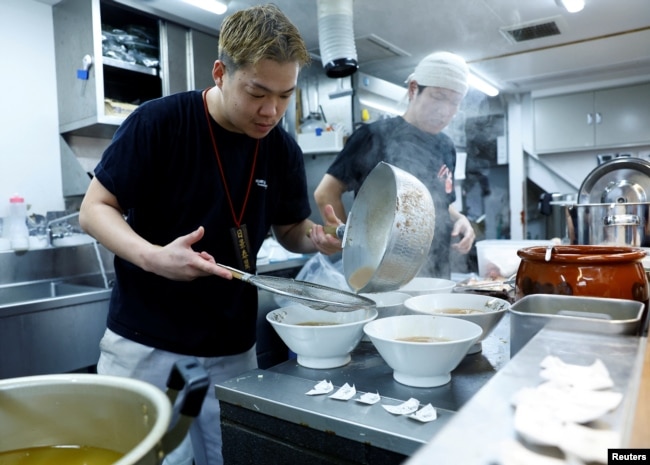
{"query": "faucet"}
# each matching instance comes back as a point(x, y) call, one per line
point(61, 219)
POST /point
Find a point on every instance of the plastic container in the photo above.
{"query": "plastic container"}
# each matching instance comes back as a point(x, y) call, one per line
point(17, 232)
point(498, 257)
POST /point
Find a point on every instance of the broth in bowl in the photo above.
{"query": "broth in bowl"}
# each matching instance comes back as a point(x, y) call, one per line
point(317, 323)
point(423, 339)
point(457, 311)
point(484, 310)
point(60, 455)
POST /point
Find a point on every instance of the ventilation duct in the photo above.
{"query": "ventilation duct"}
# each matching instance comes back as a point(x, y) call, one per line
point(336, 38)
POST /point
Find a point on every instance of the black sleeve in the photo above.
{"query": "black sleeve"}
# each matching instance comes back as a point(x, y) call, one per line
point(292, 202)
point(451, 164)
point(360, 155)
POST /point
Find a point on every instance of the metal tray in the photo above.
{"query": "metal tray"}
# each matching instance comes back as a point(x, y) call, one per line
point(500, 289)
point(572, 313)
point(618, 180)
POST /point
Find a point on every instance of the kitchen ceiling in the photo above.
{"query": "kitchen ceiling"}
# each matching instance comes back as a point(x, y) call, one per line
point(608, 40)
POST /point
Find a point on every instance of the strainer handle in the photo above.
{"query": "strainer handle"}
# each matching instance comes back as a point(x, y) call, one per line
point(238, 274)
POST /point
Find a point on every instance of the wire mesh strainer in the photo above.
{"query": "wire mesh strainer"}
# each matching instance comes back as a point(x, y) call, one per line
point(310, 294)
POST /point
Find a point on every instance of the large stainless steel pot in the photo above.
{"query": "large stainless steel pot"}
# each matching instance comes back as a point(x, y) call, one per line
point(622, 224)
point(612, 206)
point(120, 414)
point(388, 232)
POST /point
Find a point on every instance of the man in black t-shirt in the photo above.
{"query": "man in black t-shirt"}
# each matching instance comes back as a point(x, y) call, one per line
point(195, 179)
point(415, 143)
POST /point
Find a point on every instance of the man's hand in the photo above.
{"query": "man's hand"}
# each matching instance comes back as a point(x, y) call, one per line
point(178, 261)
point(462, 227)
point(324, 242)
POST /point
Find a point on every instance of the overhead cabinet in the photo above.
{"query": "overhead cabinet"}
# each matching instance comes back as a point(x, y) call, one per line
point(187, 56)
point(204, 49)
point(108, 62)
point(599, 119)
point(111, 58)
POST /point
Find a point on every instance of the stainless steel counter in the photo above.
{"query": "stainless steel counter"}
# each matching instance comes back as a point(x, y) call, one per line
point(475, 434)
point(269, 268)
point(279, 392)
point(475, 414)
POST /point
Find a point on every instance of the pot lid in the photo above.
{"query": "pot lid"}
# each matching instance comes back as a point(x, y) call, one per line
point(621, 180)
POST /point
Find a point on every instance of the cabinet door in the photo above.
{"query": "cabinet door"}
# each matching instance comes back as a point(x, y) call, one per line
point(174, 40)
point(564, 122)
point(73, 39)
point(624, 115)
point(204, 51)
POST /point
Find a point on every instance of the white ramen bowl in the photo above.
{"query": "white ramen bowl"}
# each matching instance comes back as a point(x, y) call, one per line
point(484, 310)
point(389, 303)
point(422, 364)
point(423, 285)
point(320, 339)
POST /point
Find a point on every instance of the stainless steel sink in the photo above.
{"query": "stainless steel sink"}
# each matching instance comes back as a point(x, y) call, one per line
point(50, 326)
point(12, 295)
point(39, 294)
point(53, 308)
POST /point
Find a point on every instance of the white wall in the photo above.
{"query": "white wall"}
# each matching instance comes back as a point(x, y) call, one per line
point(29, 137)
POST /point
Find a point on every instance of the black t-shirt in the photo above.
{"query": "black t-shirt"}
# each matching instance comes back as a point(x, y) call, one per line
point(162, 168)
point(430, 158)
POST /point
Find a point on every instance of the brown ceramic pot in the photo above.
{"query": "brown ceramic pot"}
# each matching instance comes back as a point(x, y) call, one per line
point(583, 270)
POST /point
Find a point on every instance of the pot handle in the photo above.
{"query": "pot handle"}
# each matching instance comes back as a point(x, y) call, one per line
point(337, 231)
point(622, 220)
point(187, 386)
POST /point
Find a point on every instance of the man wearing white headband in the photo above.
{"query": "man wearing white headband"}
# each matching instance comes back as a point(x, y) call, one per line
point(415, 143)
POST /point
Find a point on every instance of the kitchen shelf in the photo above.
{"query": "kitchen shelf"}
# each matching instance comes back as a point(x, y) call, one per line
point(80, 27)
point(325, 142)
point(129, 66)
point(185, 58)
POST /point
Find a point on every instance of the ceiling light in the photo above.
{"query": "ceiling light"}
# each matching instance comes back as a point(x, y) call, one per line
point(572, 6)
point(393, 109)
point(479, 84)
point(213, 6)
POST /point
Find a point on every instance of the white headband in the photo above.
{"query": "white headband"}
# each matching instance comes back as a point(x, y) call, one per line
point(442, 69)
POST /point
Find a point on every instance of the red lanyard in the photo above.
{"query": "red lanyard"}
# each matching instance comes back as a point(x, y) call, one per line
point(236, 219)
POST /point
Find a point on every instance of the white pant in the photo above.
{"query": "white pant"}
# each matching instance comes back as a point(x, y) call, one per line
point(122, 357)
